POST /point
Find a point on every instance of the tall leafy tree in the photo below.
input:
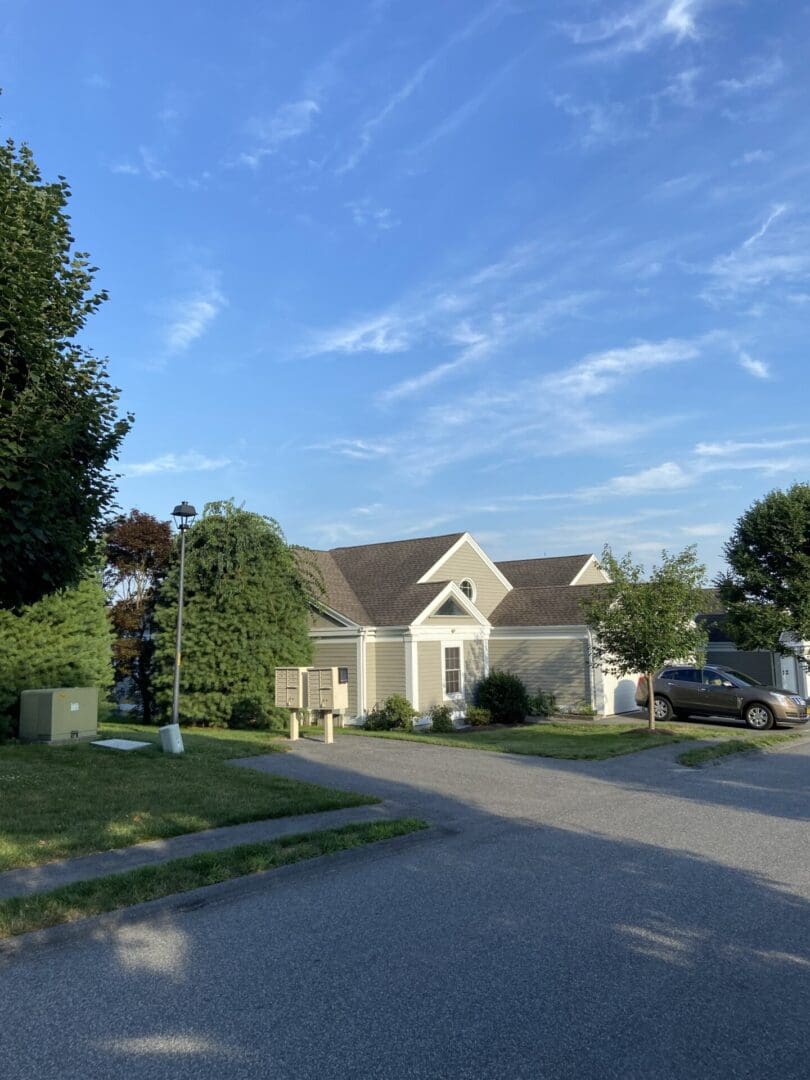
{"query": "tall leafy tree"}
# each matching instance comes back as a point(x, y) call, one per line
point(247, 596)
point(766, 591)
point(62, 640)
point(138, 549)
point(59, 427)
point(640, 623)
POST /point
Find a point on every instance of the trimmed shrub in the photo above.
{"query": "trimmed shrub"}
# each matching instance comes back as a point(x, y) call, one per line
point(441, 717)
point(63, 640)
point(478, 717)
point(505, 695)
point(395, 714)
point(543, 703)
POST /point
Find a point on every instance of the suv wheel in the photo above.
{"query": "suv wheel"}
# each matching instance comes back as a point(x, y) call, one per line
point(662, 709)
point(759, 717)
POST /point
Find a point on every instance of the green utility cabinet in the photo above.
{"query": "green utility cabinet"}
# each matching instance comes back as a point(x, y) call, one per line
point(61, 715)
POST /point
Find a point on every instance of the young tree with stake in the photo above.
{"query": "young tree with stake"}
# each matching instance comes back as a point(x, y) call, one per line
point(640, 624)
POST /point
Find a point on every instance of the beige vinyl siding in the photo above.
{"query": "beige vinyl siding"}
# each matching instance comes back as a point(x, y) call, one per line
point(429, 659)
point(371, 673)
point(319, 621)
point(557, 664)
point(592, 576)
point(466, 563)
point(390, 669)
point(338, 654)
point(450, 620)
point(473, 667)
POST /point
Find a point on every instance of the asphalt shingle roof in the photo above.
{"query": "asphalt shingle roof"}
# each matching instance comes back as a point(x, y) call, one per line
point(534, 573)
point(376, 584)
point(547, 605)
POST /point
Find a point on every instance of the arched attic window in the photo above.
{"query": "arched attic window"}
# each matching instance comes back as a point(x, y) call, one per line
point(468, 588)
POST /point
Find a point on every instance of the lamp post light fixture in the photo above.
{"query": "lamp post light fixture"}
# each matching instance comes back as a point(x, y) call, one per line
point(183, 515)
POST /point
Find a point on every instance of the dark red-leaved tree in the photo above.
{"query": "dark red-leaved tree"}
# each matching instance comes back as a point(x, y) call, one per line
point(138, 547)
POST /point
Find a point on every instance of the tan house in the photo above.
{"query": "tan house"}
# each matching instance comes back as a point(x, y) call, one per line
point(429, 617)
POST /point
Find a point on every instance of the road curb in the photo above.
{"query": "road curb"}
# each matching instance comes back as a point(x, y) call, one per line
point(179, 903)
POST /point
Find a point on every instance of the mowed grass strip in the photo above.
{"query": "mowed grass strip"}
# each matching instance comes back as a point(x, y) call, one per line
point(61, 801)
point(701, 755)
point(86, 898)
point(572, 742)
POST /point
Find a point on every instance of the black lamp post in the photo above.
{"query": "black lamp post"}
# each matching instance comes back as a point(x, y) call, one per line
point(183, 515)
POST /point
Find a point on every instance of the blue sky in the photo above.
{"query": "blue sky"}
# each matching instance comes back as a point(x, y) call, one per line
point(386, 268)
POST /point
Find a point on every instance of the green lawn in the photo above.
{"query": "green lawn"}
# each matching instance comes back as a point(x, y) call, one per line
point(588, 741)
point(84, 898)
point(699, 755)
point(60, 801)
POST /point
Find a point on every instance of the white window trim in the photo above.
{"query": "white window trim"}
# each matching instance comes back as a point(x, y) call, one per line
point(471, 583)
point(450, 589)
point(459, 696)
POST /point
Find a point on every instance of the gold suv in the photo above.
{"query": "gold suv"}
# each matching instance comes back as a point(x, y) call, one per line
point(682, 691)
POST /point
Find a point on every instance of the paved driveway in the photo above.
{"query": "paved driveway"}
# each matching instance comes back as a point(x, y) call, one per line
point(626, 919)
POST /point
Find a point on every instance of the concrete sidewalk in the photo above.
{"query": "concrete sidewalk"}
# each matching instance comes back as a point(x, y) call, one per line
point(35, 879)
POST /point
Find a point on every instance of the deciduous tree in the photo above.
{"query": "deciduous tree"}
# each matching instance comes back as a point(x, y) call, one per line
point(138, 549)
point(640, 623)
point(59, 427)
point(766, 591)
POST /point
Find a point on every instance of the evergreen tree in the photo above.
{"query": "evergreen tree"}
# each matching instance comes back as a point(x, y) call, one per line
point(63, 640)
point(59, 427)
point(246, 612)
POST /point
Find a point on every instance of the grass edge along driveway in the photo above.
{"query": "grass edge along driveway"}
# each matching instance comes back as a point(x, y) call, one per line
point(702, 755)
point(571, 742)
point(61, 801)
point(82, 899)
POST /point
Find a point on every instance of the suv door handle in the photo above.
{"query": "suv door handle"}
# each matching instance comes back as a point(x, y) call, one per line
point(703, 689)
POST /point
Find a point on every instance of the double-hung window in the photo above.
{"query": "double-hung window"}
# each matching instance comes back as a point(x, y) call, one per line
point(452, 670)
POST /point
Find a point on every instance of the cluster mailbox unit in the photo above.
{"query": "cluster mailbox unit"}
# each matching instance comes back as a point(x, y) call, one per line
point(321, 690)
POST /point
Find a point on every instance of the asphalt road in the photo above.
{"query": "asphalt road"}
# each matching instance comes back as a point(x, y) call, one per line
point(627, 919)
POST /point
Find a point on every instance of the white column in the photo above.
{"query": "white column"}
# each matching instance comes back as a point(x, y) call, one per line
point(411, 671)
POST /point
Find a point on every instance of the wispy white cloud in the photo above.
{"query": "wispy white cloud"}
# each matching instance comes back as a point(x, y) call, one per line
point(356, 449)
point(658, 479)
point(189, 461)
point(636, 27)
point(774, 253)
point(758, 368)
point(760, 75)
point(735, 448)
point(368, 216)
point(383, 333)
point(599, 373)
point(775, 213)
point(96, 81)
point(599, 123)
point(467, 109)
point(149, 165)
point(409, 87)
point(289, 121)
point(754, 157)
point(705, 530)
point(191, 316)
